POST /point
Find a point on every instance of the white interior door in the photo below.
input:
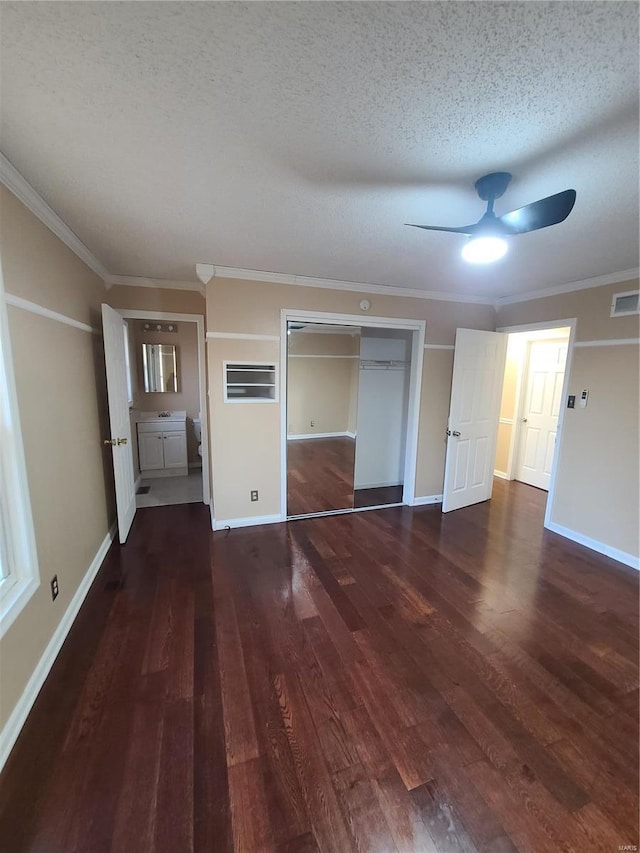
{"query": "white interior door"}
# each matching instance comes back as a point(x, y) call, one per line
point(540, 412)
point(115, 361)
point(476, 389)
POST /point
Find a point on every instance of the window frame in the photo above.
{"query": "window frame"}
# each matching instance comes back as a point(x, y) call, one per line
point(16, 520)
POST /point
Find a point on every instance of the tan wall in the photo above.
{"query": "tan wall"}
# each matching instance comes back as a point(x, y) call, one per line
point(187, 397)
point(437, 371)
point(156, 299)
point(62, 404)
point(597, 480)
point(591, 307)
point(321, 390)
point(246, 437)
point(512, 368)
point(597, 485)
point(254, 307)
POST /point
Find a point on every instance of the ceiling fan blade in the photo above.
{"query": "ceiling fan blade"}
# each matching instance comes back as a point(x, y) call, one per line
point(465, 229)
point(539, 214)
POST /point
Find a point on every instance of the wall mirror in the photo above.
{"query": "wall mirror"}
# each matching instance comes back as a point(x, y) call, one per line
point(322, 389)
point(347, 411)
point(160, 368)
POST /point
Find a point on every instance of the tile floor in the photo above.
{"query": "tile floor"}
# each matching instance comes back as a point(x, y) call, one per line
point(164, 491)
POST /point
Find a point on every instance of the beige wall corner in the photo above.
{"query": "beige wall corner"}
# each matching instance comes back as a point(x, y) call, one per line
point(61, 391)
point(597, 482)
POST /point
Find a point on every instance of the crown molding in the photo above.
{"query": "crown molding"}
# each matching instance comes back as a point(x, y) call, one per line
point(22, 189)
point(585, 284)
point(354, 286)
point(166, 284)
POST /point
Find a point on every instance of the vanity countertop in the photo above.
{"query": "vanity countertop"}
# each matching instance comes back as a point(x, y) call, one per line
point(161, 417)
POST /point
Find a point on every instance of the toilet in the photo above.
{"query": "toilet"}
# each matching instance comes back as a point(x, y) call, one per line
point(197, 428)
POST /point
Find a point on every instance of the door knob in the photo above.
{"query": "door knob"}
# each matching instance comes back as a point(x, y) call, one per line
point(456, 433)
point(524, 420)
point(109, 442)
point(122, 441)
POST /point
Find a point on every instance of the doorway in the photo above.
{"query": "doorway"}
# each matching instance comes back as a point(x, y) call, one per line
point(500, 418)
point(157, 405)
point(533, 403)
point(350, 388)
point(170, 452)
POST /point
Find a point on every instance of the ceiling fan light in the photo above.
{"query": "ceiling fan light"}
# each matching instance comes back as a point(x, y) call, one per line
point(484, 250)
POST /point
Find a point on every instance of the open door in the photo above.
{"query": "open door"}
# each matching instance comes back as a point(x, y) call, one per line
point(476, 389)
point(120, 440)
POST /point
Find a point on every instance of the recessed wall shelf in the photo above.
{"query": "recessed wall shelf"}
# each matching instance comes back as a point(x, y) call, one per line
point(250, 382)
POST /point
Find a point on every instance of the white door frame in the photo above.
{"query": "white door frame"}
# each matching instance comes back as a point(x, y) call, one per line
point(534, 327)
point(415, 386)
point(198, 319)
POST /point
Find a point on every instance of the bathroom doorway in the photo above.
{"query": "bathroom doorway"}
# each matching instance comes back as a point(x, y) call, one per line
point(167, 405)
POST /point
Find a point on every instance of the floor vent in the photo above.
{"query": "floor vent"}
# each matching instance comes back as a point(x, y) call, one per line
point(624, 304)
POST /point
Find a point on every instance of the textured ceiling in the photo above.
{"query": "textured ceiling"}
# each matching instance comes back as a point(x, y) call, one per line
point(299, 137)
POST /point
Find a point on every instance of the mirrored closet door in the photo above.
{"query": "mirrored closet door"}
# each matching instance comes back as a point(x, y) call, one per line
point(322, 403)
point(347, 410)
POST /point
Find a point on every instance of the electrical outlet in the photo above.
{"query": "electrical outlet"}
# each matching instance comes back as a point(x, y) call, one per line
point(54, 587)
point(254, 494)
point(313, 423)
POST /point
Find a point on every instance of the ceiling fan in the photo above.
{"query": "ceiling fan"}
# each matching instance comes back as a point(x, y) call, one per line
point(488, 243)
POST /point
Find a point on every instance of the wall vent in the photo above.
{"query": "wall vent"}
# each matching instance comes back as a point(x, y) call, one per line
point(624, 304)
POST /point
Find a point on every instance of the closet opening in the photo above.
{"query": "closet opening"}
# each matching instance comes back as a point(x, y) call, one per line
point(350, 393)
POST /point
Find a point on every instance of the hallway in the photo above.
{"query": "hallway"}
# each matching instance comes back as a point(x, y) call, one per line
point(388, 680)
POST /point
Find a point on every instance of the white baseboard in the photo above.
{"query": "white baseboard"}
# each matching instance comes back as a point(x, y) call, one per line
point(213, 518)
point(18, 717)
point(250, 521)
point(384, 485)
point(501, 474)
point(595, 545)
point(427, 499)
point(321, 435)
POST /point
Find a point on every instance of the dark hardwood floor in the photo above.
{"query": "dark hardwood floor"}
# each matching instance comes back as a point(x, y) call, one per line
point(320, 474)
point(381, 681)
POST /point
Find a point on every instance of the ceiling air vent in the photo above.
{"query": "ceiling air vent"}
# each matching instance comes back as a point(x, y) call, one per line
point(624, 304)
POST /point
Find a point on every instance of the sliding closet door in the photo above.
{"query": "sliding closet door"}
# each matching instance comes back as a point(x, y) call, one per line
point(322, 393)
point(383, 399)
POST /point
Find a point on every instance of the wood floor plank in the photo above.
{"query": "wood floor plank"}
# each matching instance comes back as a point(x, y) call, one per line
point(249, 812)
point(367, 826)
point(240, 734)
point(322, 805)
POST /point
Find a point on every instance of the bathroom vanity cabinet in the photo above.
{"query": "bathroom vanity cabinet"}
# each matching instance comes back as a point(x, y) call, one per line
point(162, 445)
